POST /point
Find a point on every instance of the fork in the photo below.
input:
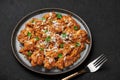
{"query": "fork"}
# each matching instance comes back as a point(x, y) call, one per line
point(91, 67)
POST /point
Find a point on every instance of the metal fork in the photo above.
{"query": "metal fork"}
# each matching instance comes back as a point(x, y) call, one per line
point(91, 67)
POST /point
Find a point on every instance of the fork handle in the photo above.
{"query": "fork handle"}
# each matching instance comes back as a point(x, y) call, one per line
point(74, 74)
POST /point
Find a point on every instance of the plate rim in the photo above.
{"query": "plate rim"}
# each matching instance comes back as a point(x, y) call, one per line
point(33, 12)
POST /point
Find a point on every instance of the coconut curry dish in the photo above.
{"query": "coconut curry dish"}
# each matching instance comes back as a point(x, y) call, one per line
point(53, 41)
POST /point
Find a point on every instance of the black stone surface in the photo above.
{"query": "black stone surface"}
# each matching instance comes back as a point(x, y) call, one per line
point(102, 17)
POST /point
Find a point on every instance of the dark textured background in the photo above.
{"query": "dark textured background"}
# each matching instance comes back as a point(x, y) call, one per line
point(102, 17)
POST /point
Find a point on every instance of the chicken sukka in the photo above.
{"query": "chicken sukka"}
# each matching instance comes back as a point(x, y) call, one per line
point(54, 41)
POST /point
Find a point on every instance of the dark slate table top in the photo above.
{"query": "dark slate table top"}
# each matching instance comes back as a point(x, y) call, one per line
point(102, 17)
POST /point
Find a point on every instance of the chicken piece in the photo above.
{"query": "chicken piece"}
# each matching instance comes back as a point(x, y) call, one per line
point(52, 54)
point(67, 49)
point(48, 53)
point(60, 63)
point(39, 45)
point(49, 63)
point(77, 50)
point(69, 21)
point(26, 34)
point(59, 40)
point(66, 19)
point(74, 52)
point(68, 30)
point(40, 59)
point(24, 51)
point(22, 38)
point(68, 61)
point(83, 33)
point(33, 63)
point(58, 27)
point(30, 25)
point(28, 29)
point(29, 44)
point(80, 34)
point(37, 58)
point(50, 15)
point(34, 57)
point(76, 58)
point(82, 47)
point(87, 41)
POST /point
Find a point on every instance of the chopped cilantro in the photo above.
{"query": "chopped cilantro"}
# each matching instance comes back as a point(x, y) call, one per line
point(64, 35)
point(45, 31)
point(59, 16)
point(43, 18)
point(60, 55)
point(61, 45)
point(77, 44)
point(37, 38)
point(75, 28)
point(32, 21)
point(41, 49)
point(47, 39)
point(29, 34)
point(29, 53)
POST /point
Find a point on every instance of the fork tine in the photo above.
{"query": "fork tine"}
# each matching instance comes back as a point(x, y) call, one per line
point(101, 62)
point(98, 59)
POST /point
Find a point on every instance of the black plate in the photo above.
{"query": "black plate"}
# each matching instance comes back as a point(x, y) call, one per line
point(40, 69)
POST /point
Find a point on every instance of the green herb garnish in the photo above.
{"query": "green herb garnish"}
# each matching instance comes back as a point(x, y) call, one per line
point(41, 49)
point(60, 55)
point(29, 34)
point(43, 18)
point(59, 16)
point(75, 28)
point(29, 53)
point(64, 35)
point(37, 38)
point(32, 21)
point(77, 44)
point(61, 45)
point(45, 31)
point(47, 39)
